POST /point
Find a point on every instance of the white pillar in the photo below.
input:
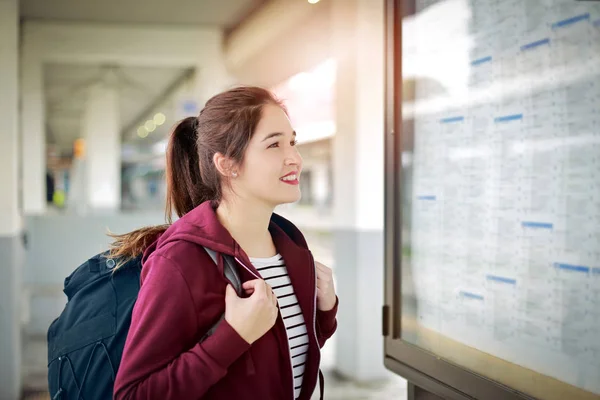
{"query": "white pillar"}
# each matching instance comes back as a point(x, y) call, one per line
point(320, 183)
point(101, 127)
point(358, 45)
point(33, 158)
point(9, 112)
point(10, 222)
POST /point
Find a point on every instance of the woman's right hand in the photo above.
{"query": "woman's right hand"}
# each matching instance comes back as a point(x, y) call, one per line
point(253, 316)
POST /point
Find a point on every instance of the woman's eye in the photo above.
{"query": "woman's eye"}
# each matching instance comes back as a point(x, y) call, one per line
point(276, 144)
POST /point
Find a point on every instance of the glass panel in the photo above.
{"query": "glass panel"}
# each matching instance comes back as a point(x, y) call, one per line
point(501, 190)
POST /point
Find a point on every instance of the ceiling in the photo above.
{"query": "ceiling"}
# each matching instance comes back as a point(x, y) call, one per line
point(223, 13)
point(66, 88)
point(67, 85)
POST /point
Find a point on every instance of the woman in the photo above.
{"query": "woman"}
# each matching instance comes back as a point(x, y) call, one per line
point(227, 170)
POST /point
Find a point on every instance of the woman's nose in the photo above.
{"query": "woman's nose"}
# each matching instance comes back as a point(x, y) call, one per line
point(293, 157)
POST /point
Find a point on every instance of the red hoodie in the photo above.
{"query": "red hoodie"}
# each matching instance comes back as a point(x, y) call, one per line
point(183, 294)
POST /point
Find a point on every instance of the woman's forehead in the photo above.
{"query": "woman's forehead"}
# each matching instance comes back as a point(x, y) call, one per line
point(273, 120)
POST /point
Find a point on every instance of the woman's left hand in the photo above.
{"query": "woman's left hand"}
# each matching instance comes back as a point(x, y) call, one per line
point(326, 298)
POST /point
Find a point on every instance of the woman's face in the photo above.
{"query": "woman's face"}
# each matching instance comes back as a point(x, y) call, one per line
point(271, 169)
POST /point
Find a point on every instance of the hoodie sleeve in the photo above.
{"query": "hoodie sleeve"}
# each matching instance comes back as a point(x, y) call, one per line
point(156, 362)
point(327, 323)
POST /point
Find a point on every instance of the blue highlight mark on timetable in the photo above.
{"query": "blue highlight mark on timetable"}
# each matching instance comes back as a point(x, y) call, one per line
point(482, 60)
point(535, 44)
point(541, 225)
point(508, 118)
point(470, 295)
point(451, 120)
point(430, 198)
point(571, 21)
point(501, 279)
point(574, 268)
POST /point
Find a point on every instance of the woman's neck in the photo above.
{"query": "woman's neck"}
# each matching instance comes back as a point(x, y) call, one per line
point(248, 224)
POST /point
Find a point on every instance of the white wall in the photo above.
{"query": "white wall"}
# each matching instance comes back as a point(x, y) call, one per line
point(9, 101)
point(10, 221)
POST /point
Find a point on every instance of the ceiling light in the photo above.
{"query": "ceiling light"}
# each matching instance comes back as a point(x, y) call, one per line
point(150, 126)
point(159, 119)
point(142, 132)
point(313, 1)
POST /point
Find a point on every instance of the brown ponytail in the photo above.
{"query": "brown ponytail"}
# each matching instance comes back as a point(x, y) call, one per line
point(225, 125)
point(184, 183)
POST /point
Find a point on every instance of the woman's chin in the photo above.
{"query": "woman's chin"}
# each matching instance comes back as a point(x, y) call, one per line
point(289, 198)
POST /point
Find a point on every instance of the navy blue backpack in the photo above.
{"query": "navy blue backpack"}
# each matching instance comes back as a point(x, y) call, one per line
point(85, 343)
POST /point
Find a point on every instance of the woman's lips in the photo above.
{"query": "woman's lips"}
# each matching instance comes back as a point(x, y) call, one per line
point(290, 179)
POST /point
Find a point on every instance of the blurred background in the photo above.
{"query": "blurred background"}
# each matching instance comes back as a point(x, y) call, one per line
point(493, 269)
point(89, 93)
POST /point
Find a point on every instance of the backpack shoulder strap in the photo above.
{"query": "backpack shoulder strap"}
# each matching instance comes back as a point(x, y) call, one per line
point(231, 273)
point(229, 267)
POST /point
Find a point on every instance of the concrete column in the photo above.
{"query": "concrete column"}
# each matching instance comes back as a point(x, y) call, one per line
point(101, 127)
point(33, 150)
point(320, 184)
point(11, 249)
point(358, 161)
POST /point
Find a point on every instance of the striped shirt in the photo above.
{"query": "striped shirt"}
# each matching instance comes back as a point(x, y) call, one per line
point(274, 272)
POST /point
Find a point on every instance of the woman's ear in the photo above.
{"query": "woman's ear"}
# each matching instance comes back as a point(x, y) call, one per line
point(224, 165)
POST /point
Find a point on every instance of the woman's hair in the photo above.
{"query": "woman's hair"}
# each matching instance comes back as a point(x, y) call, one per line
point(225, 126)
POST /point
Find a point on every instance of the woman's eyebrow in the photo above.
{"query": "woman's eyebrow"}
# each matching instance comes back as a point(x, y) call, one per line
point(275, 134)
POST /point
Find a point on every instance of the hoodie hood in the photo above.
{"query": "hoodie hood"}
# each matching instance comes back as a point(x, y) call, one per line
point(201, 226)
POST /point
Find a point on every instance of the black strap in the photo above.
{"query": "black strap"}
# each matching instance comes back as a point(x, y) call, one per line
point(85, 374)
point(231, 273)
point(321, 384)
point(229, 268)
point(59, 394)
